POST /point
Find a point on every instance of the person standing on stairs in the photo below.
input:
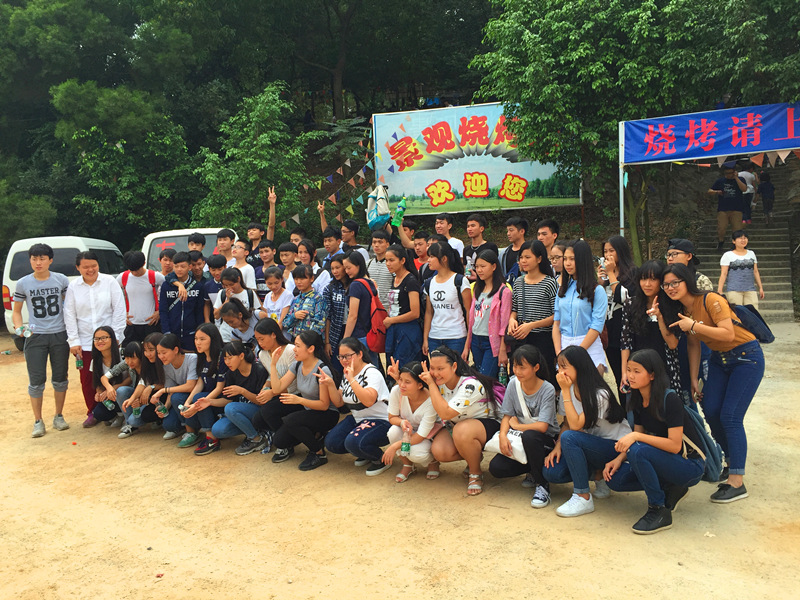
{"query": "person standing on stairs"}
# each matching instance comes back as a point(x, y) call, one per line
point(730, 190)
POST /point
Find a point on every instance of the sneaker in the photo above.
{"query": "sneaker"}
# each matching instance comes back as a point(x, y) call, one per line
point(89, 422)
point(528, 482)
point(118, 421)
point(207, 446)
point(541, 497)
point(248, 446)
point(282, 454)
point(376, 468)
point(657, 518)
point(59, 423)
point(38, 429)
point(126, 432)
point(673, 494)
point(188, 440)
point(170, 435)
point(727, 493)
point(362, 462)
point(312, 461)
point(575, 507)
point(601, 490)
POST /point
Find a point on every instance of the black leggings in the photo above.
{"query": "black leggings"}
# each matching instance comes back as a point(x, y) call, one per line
point(614, 356)
point(271, 415)
point(306, 427)
point(537, 446)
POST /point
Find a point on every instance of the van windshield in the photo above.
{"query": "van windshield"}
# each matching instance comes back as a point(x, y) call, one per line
point(110, 262)
point(179, 243)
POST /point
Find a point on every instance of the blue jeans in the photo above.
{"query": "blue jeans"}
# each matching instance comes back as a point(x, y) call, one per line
point(649, 468)
point(456, 344)
point(238, 420)
point(404, 342)
point(362, 440)
point(580, 453)
point(203, 420)
point(733, 378)
point(174, 421)
point(482, 356)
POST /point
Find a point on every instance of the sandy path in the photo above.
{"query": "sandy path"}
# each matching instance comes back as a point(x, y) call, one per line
point(104, 517)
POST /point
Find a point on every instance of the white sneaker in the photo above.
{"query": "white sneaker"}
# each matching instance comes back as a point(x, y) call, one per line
point(126, 432)
point(38, 429)
point(170, 435)
point(541, 497)
point(59, 423)
point(362, 462)
point(575, 507)
point(118, 421)
point(601, 489)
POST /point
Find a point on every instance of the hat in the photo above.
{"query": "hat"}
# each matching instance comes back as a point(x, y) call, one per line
point(684, 246)
point(351, 225)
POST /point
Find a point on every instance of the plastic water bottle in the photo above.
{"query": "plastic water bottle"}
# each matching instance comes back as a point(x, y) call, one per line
point(397, 221)
point(79, 362)
point(137, 411)
point(502, 375)
point(161, 409)
point(110, 404)
point(25, 331)
point(405, 446)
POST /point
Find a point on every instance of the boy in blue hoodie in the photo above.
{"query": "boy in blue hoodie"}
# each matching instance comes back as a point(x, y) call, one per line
point(182, 317)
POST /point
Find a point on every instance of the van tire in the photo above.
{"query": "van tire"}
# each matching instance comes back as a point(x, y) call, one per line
point(19, 342)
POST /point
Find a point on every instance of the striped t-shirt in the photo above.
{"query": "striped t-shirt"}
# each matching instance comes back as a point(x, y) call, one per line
point(382, 277)
point(534, 302)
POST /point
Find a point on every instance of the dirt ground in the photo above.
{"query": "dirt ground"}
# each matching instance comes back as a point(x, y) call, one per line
point(87, 515)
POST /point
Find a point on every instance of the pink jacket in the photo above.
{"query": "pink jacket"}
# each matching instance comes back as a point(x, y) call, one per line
point(499, 314)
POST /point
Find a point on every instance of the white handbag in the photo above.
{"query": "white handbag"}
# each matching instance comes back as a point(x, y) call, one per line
point(514, 436)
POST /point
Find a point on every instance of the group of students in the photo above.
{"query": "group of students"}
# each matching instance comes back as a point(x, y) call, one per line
point(278, 359)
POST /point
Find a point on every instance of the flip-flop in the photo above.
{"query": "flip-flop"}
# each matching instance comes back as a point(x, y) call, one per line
point(402, 477)
point(433, 474)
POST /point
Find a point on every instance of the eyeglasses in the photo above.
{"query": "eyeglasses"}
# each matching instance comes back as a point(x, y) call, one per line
point(674, 254)
point(343, 357)
point(672, 284)
point(555, 257)
point(102, 339)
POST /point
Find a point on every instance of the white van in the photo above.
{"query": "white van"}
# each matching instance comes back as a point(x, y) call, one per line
point(178, 240)
point(65, 249)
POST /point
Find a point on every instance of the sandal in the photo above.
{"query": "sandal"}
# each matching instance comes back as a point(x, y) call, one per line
point(433, 473)
point(475, 486)
point(403, 477)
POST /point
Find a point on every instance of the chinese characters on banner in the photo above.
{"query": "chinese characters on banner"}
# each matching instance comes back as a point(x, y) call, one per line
point(728, 132)
point(459, 159)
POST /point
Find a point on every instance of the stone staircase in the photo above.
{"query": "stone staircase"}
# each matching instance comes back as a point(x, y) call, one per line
point(770, 244)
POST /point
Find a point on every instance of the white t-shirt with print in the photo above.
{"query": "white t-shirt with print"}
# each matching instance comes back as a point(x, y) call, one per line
point(468, 398)
point(448, 317)
point(369, 377)
point(274, 307)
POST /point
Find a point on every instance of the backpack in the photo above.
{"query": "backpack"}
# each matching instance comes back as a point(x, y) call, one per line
point(378, 213)
point(376, 336)
point(151, 278)
point(709, 449)
point(458, 281)
point(750, 319)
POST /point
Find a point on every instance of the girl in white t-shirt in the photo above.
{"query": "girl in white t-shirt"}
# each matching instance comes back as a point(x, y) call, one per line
point(278, 299)
point(464, 400)
point(739, 267)
point(363, 390)
point(448, 296)
point(307, 255)
point(411, 410)
point(593, 422)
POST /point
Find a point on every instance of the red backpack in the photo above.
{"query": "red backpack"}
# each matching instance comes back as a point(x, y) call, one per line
point(376, 336)
point(151, 277)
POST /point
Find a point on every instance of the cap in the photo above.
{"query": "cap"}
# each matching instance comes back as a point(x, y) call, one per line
point(684, 246)
point(351, 225)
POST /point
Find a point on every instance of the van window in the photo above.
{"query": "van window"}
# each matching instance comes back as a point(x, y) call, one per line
point(179, 243)
point(63, 262)
point(110, 261)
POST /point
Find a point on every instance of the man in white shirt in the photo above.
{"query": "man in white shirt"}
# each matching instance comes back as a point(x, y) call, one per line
point(240, 253)
point(141, 288)
point(444, 223)
point(751, 179)
point(92, 300)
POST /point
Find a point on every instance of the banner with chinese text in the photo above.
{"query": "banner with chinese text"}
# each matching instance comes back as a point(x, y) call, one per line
point(727, 132)
point(460, 159)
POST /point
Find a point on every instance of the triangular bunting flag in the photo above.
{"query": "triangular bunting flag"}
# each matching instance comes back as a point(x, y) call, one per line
point(339, 218)
point(305, 186)
point(382, 180)
point(332, 198)
point(319, 185)
point(758, 159)
point(363, 171)
point(339, 171)
point(796, 153)
point(349, 209)
point(329, 178)
point(394, 135)
point(402, 128)
point(283, 224)
point(782, 154)
point(296, 218)
point(347, 162)
point(367, 165)
point(379, 156)
point(305, 212)
point(773, 158)
point(360, 199)
point(391, 169)
point(361, 180)
point(370, 120)
point(352, 182)
point(721, 160)
point(355, 152)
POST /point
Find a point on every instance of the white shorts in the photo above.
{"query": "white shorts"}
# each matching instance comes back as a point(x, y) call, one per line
point(595, 350)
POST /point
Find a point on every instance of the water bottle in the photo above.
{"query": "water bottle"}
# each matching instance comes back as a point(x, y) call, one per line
point(78, 362)
point(405, 446)
point(110, 404)
point(25, 331)
point(161, 409)
point(502, 375)
point(397, 221)
point(137, 411)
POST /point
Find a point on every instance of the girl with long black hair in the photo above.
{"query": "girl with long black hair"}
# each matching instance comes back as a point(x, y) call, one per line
point(403, 331)
point(152, 379)
point(335, 296)
point(105, 356)
point(448, 296)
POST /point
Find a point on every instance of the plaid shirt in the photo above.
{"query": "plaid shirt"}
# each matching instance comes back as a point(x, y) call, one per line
point(317, 309)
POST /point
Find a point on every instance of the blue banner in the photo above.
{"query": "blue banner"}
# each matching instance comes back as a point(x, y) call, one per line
point(459, 159)
point(728, 132)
